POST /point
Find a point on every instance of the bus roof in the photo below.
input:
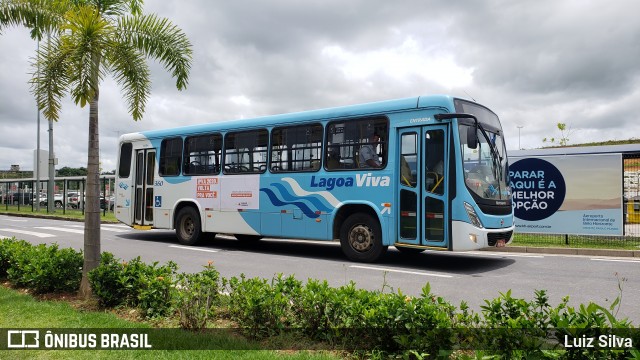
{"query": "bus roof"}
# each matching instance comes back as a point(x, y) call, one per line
point(373, 108)
point(577, 150)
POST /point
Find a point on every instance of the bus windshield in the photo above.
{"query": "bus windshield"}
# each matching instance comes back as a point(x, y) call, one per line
point(485, 167)
point(486, 172)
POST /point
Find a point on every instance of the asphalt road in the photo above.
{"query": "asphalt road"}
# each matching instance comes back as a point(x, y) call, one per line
point(469, 276)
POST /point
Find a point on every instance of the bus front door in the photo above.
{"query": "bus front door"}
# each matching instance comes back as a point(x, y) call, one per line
point(422, 193)
point(144, 180)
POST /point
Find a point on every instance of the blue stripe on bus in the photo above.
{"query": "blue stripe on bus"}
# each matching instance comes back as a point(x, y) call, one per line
point(299, 204)
point(290, 197)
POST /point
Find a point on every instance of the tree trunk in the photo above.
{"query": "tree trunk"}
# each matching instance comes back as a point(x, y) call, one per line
point(92, 205)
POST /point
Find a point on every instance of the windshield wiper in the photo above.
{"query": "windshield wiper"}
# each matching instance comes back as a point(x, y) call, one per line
point(496, 159)
point(491, 143)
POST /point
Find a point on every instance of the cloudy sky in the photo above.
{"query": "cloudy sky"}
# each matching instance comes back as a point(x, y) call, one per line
point(535, 63)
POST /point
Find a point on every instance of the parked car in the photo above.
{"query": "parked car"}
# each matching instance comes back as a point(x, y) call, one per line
point(19, 197)
point(73, 199)
point(58, 200)
point(108, 203)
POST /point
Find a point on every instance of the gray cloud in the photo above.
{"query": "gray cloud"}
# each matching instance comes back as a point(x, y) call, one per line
point(534, 63)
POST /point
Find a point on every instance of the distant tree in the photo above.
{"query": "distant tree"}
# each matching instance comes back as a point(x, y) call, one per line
point(564, 135)
point(67, 171)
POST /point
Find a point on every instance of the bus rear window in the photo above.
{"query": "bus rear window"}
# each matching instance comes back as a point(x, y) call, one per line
point(125, 160)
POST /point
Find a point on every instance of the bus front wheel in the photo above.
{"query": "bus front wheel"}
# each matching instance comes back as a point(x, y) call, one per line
point(188, 229)
point(361, 238)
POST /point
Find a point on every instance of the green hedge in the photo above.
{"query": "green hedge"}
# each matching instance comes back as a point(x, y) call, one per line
point(41, 268)
point(371, 323)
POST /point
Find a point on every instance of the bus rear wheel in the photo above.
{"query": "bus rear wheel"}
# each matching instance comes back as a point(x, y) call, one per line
point(361, 238)
point(188, 228)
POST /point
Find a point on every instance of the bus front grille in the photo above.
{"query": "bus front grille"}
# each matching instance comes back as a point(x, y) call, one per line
point(495, 236)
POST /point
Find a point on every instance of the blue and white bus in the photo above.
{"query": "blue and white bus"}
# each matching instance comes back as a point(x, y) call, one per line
point(427, 172)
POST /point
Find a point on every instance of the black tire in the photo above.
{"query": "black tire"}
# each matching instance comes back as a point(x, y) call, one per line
point(248, 238)
point(57, 204)
point(188, 226)
point(361, 238)
point(409, 250)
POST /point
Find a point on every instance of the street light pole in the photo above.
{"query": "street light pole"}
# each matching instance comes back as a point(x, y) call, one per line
point(37, 169)
point(519, 127)
point(52, 171)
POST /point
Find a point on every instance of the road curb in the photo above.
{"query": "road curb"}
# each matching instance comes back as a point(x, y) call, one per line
point(55, 217)
point(567, 251)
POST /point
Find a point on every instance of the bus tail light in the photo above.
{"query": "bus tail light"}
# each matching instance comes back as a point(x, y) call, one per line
point(473, 217)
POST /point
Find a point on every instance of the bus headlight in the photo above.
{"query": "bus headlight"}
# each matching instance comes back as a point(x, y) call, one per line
point(473, 217)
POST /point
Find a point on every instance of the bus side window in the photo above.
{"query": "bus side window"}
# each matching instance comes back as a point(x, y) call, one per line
point(333, 159)
point(170, 156)
point(296, 148)
point(246, 152)
point(202, 154)
point(346, 140)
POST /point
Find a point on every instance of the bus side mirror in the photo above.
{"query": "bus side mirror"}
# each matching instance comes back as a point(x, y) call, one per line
point(472, 137)
point(472, 134)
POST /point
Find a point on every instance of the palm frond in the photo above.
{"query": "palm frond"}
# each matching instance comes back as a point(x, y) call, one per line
point(86, 37)
point(39, 16)
point(50, 81)
point(116, 8)
point(130, 69)
point(158, 38)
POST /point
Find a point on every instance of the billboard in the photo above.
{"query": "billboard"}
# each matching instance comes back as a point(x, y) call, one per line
point(559, 194)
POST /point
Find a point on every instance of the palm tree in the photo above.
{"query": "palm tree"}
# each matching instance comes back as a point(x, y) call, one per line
point(89, 40)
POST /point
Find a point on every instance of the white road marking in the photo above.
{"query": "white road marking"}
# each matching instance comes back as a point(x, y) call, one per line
point(400, 271)
point(192, 248)
point(13, 220)
point(53, 228)
point(508, 254)
point(103, 227)
point(616, 260)
point(32, 233)
point(117, 226)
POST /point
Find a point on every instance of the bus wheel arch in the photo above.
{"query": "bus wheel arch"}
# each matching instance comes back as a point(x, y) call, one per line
point(188, 224)
point(360, 232)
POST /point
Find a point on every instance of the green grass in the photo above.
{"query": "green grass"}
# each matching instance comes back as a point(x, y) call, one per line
point(576, 241)
point(21, 311)
point(67, 214)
